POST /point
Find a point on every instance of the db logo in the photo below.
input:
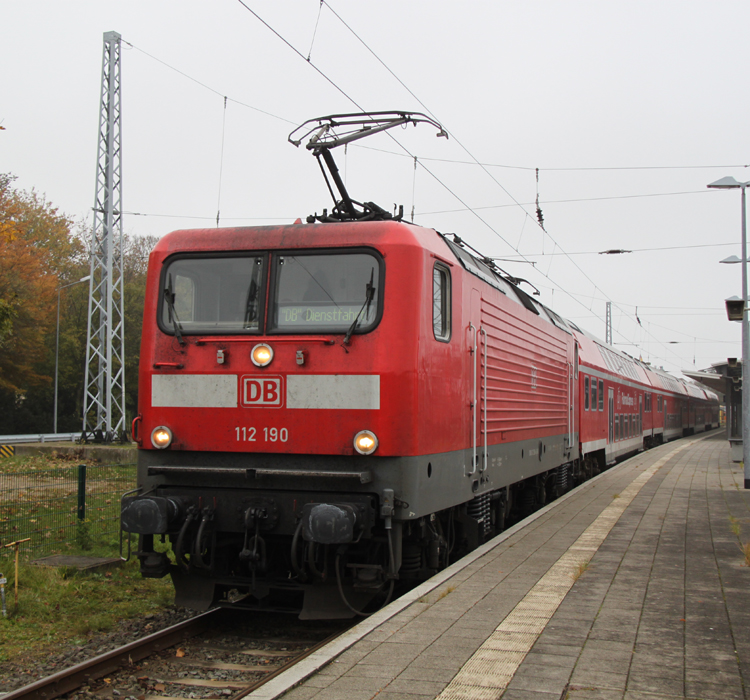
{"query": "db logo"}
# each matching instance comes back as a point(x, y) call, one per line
point(261, 391)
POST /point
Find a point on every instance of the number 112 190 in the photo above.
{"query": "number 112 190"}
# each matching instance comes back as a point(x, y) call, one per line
point(245, 434)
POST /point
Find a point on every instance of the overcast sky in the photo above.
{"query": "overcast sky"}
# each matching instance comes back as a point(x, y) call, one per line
point(628, 110)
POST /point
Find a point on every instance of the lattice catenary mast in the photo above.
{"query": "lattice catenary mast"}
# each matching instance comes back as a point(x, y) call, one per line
point(104, 397)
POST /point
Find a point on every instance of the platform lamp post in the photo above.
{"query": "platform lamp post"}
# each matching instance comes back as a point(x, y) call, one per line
point(57, 344)
point(729, 183)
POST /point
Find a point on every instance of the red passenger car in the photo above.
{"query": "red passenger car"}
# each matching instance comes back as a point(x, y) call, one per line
point(626, 405)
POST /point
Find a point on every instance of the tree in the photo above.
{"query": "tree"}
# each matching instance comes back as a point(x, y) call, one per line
point(135, 265)
point(40, 252)
point(37, 250)
point(6, 320)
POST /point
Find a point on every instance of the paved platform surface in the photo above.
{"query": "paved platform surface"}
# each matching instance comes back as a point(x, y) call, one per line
point(632, 587)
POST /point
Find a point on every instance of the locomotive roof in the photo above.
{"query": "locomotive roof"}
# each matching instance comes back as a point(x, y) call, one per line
point(297, 235)
point(485, 269)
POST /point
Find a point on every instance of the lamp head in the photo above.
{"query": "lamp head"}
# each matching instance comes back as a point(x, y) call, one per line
point(727, 183)
point(735, 308)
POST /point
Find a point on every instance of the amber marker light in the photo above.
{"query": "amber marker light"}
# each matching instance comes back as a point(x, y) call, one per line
point(261, 355)
point(161, 437)
point(365, 442)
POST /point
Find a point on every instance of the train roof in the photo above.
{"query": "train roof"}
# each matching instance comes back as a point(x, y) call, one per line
point(297, 235)
point(597, 354)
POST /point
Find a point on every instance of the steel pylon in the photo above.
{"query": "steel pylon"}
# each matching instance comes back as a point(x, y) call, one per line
point(104, 396)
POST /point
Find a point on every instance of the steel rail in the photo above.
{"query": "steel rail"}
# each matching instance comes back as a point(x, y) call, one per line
point(72, 678)
point(257, 684)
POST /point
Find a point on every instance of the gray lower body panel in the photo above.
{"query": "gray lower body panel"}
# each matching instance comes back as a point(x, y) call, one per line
point(421, 485)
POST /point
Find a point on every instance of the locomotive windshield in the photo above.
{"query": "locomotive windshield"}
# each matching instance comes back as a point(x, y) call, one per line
point(325, 292)
point(311, 292)
point(213, 295)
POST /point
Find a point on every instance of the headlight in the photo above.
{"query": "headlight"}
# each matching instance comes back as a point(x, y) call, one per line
point(161, 437)
point(262, 355)
point(365, 442)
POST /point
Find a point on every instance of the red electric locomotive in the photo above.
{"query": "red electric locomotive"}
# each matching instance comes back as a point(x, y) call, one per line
point(328, 408)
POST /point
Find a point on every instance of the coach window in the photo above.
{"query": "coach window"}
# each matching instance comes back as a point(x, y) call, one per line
point(601, 394)
point(441, 303)
point(594, 402)
point(586, 393)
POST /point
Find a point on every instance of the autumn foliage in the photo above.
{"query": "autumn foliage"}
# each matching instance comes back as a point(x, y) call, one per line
point(41, 252)
point(37, 247)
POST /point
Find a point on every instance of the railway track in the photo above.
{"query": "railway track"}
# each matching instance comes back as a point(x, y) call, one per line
point(219, 654)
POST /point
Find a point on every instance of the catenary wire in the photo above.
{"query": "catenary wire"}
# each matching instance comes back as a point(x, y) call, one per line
point(477, 162)
point(407, 153)
point(208, 87)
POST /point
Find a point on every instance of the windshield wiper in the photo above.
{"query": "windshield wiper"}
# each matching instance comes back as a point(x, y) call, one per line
point(369, 295)
point(251, 312)
point(169, 298)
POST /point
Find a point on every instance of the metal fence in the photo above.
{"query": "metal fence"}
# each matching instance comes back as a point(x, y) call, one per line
point(77, 505)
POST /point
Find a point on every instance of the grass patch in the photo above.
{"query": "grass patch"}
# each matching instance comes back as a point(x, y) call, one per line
point(745, 549)
point(734, 525)
point(446, 591)
point(60, 606)
point(579, 569)
point(39, 462)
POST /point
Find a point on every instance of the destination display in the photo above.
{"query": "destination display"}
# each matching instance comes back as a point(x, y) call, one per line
point(322, 315)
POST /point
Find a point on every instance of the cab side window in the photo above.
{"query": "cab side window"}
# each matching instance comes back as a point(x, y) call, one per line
point(441, 302)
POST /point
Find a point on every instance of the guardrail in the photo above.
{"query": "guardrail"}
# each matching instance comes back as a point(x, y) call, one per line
point(39, 437)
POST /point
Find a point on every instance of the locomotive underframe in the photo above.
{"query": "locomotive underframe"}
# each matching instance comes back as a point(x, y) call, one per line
point(235, 519)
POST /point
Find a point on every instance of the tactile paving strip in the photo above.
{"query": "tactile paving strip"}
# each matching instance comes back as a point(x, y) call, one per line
point(486, 675)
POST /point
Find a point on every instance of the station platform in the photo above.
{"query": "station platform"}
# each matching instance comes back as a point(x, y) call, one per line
point(633, 586)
